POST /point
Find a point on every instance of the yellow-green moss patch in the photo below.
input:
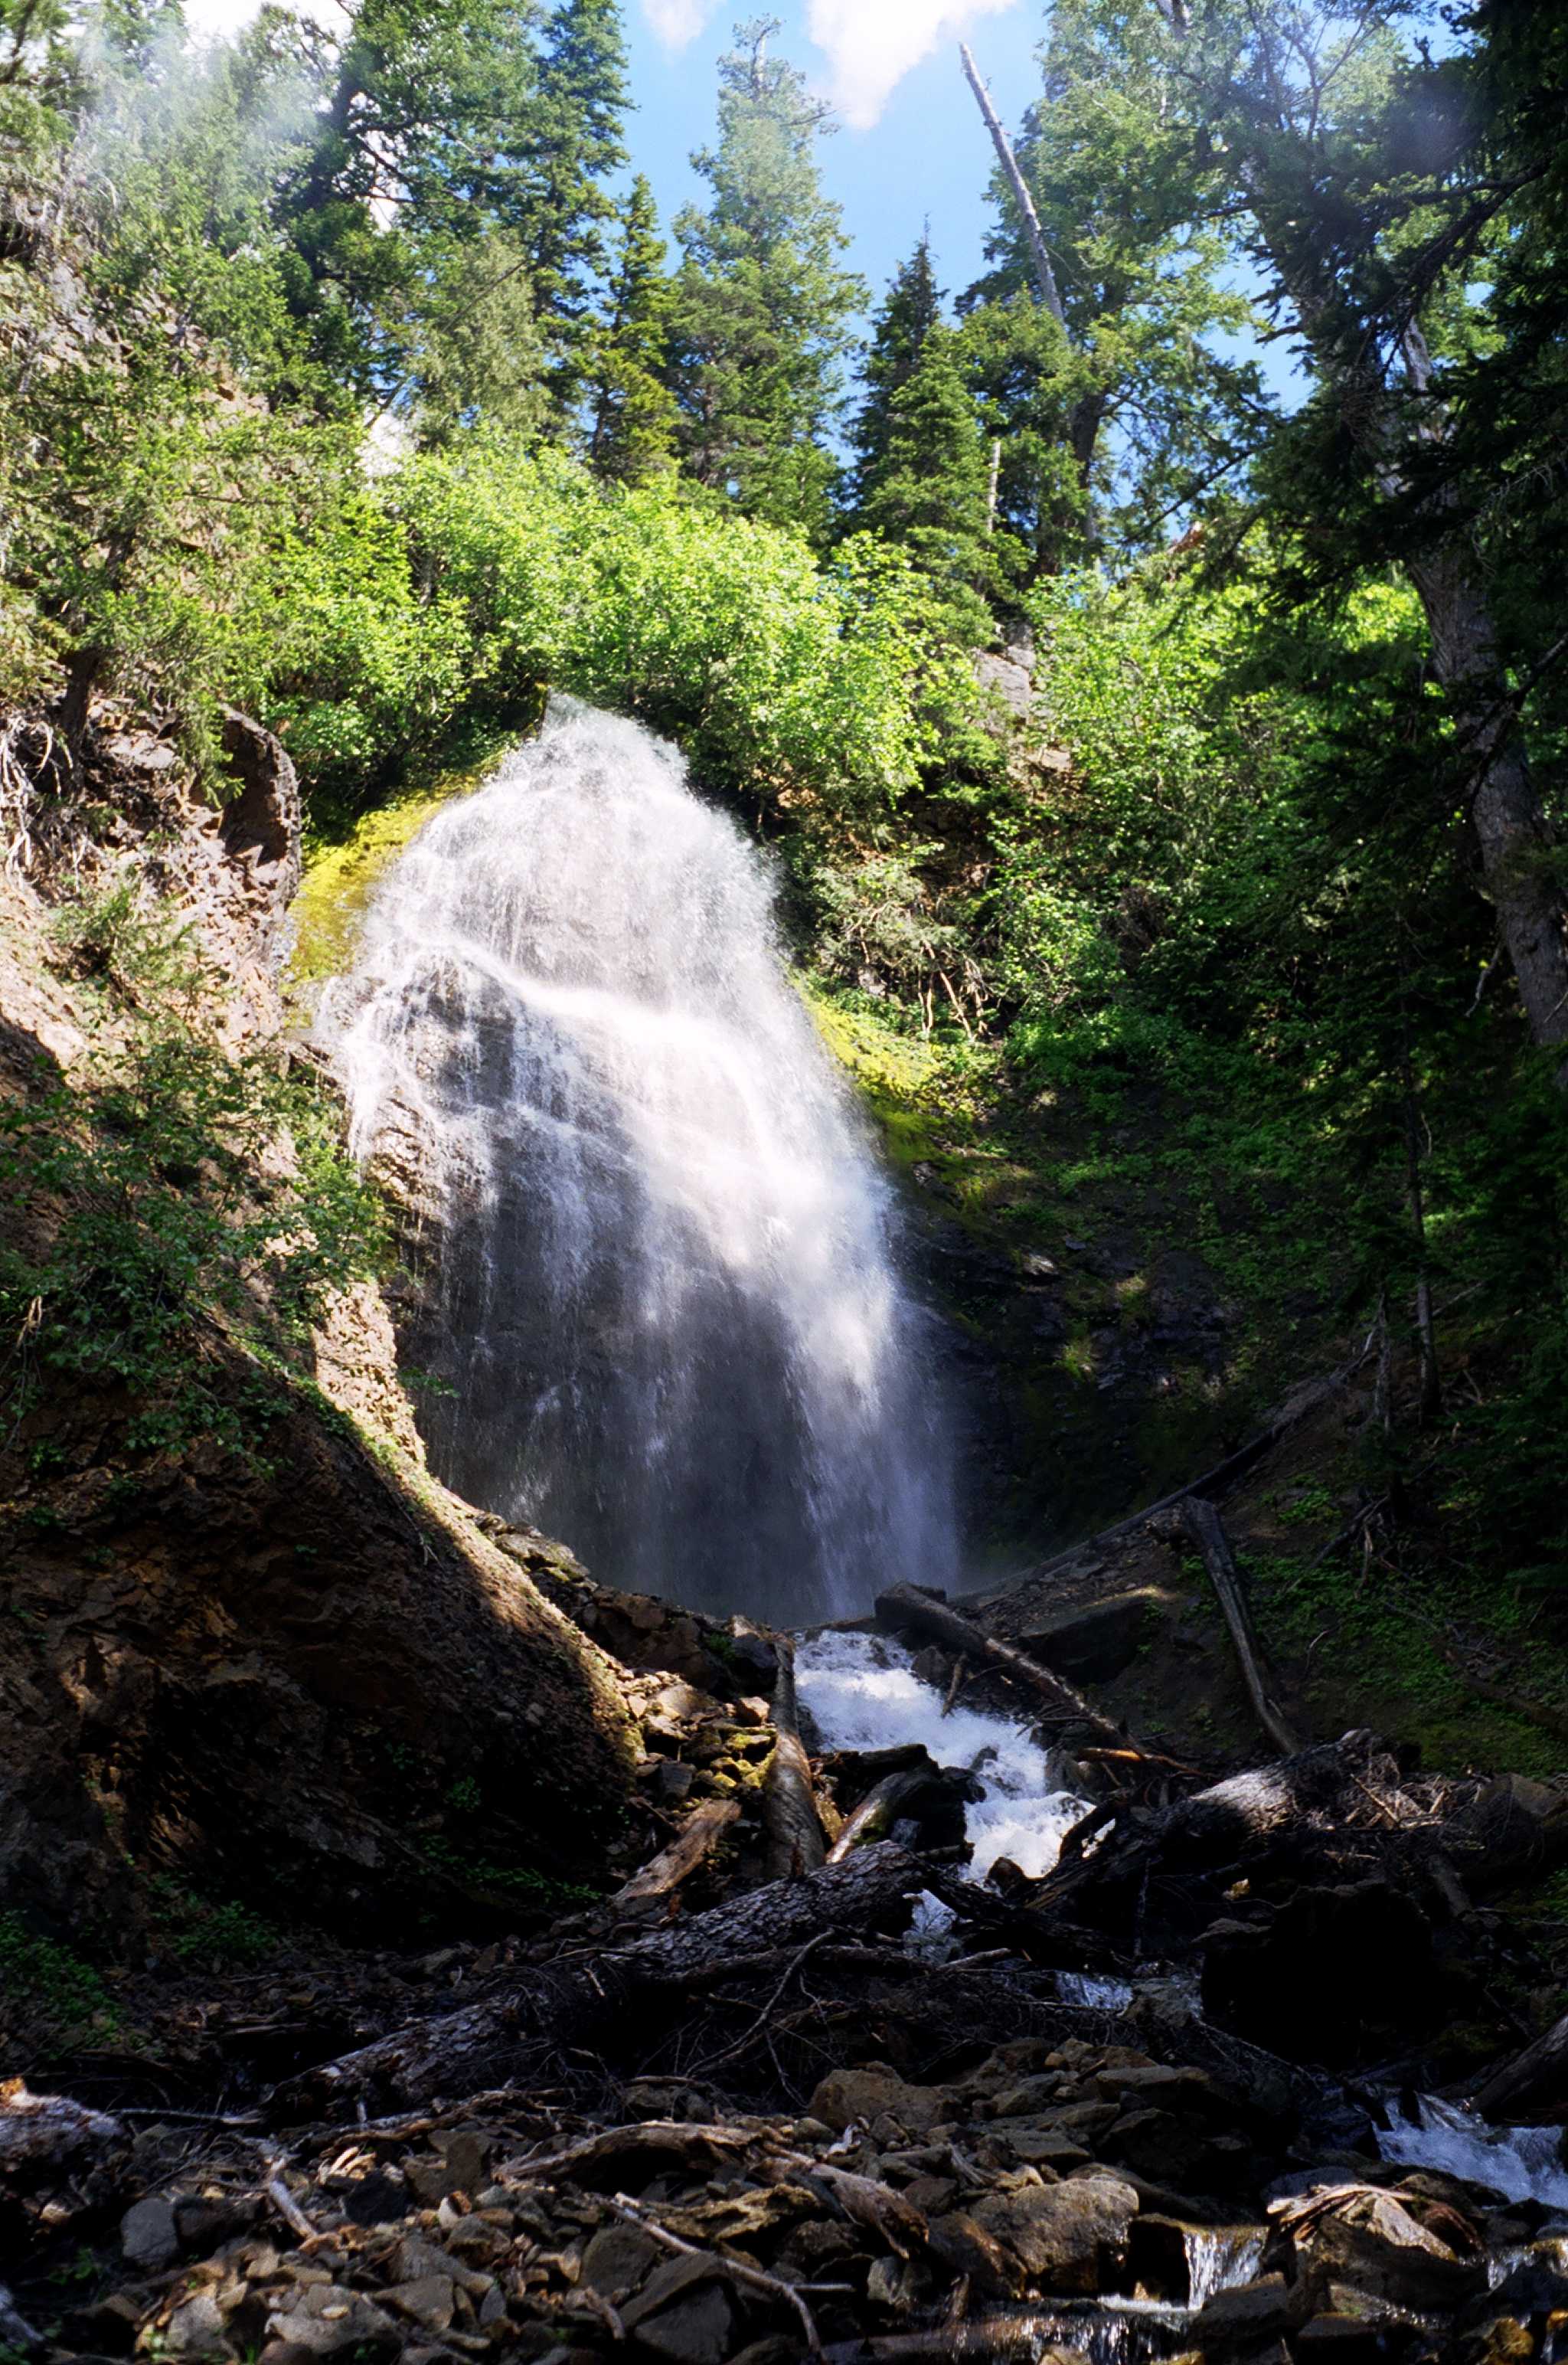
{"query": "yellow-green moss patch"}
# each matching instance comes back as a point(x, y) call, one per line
point(342, 874)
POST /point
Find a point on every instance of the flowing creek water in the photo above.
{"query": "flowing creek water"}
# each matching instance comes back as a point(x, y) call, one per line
point(862, 1693)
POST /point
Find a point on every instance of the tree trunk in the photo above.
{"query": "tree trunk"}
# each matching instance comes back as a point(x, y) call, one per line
point(1518, 861)
point(1206, 1529)
point(1515, 840)
point(789, 1800)
point(1044, 277)
point(580, 2000)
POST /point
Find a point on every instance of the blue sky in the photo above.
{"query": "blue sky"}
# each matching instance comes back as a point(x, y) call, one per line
point(926, 155)
point(911, 142)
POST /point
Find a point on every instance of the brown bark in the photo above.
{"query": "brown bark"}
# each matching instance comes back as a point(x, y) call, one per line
point(585, 1997)
point(692, 1845)
point(878, 1810)
point(795, 1841)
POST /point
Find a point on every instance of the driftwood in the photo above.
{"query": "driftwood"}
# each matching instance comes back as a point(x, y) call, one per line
point(1286, 1807)
point(906, 1606)
point(1206, 1527)
point(998, 2337)
point(574, 2000)
point(795, 1843)
point(692, 1845)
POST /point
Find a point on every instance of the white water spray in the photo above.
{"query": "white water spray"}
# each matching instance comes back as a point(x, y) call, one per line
point(863, 1693)
point(666, 1302)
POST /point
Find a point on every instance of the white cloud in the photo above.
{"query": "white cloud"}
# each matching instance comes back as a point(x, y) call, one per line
point(677, 21)
point(872, 44)
point(213, 21)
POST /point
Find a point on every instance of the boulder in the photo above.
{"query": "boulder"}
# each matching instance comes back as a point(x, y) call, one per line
point(1370, 2243)
point(1066, 2237)
point(1248, 2314)
point(149, 2236)
point(847, 2096)
point(1094, 1644)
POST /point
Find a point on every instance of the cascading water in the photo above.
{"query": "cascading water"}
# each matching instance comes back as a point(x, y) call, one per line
point(668, 1307)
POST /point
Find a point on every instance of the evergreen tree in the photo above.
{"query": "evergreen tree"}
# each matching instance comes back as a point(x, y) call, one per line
point(1110, 423)
point(921, 465)
point(926, 487)
point(1384, 223)
point(631, 410)
point(911, 309)
point(577, 145)
point(762, 309)
point(424, 133)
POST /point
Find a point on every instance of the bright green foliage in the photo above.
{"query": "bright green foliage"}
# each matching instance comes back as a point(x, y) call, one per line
point(40, 82)
point(761, 303)
point(770, 667)
point(143, 489)
point(632, 412)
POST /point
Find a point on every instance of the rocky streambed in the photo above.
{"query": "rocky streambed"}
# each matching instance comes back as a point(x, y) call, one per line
point(884, 2108)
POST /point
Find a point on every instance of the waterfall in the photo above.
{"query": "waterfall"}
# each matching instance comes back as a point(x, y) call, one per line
point(663, 1302)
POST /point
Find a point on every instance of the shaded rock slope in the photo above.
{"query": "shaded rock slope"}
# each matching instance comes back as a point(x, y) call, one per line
point(265, 1662)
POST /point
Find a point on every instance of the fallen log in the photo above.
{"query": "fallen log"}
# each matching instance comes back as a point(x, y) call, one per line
point(1537, 2076)
point(692, 1845)
point(795, 1843)
point(989, 2341)
point(874, 1818)
point(1303, 1401)
point(906, 1606)
point(573, 2000)
point(1292, 1808)
point(1206, 1529)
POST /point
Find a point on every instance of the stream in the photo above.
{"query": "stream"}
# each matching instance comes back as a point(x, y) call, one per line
point(862, 1693)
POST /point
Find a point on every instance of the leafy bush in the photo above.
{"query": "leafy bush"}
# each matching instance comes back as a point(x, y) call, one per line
point(56, 1989)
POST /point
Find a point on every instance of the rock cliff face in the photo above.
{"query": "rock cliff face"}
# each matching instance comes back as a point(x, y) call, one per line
point(294, 1672)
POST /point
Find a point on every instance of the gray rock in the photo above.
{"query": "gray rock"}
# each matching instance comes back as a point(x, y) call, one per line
point(1249, 2311)
point(695, 2331)
point(149, 2236)
point(1009, 681)
point(324, 2319)
point(616, 2259)
point(197, 2328)
point(1065, 2237)
point(430, 2301)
